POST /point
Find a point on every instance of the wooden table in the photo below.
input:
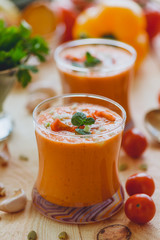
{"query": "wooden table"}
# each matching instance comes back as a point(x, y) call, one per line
point(21, 174)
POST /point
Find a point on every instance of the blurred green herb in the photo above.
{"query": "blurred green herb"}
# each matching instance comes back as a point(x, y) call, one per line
point(91, 61)
point(17, 46)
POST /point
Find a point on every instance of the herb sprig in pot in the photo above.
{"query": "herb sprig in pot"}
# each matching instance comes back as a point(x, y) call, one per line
point(17, 46)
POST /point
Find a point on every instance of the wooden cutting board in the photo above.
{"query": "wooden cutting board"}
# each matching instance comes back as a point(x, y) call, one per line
point(23, 173)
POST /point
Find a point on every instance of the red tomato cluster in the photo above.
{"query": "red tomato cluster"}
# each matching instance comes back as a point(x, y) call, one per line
point(140, 207)
point(134, 143)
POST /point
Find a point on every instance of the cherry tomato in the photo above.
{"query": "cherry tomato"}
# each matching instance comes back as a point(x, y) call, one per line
point(134, 143)
point(140, 183)
point(140, 208)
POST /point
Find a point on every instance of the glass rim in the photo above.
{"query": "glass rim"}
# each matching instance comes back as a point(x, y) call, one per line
point(63, 96)
point(94, 41)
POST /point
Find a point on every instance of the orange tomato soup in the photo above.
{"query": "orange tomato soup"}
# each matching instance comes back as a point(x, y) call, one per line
point(111, 78)
point(78, 170)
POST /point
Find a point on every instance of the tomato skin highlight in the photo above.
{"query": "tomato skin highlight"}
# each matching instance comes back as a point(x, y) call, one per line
point(140, 183)
point(140, 208)
point(134, 143)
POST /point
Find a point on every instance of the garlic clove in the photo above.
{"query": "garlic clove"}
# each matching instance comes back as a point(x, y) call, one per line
point(4, 155)
point(2, 190)
point(42, 87)
point(34, 100)
point(14, 203)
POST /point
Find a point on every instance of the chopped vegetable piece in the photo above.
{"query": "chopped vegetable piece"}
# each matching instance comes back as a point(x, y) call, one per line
point(87, 128)
point(74, 58)
point(57, 125)
point(47, 124)
point(105, 114)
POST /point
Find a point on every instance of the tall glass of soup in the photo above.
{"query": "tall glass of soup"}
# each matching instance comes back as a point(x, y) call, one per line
point(78, 138)
point(97, 66)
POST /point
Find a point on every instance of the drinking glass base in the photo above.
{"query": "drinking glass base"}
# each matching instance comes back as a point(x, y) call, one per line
point(79, 215)
point(6, 127)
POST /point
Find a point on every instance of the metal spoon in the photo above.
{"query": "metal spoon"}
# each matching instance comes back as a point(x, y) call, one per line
point(152, 123)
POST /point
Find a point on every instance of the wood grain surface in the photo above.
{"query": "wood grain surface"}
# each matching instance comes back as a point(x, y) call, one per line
point(23, 173)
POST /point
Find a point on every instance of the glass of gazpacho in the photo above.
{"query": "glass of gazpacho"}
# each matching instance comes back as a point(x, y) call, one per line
point(97, 66)
point(78, 138)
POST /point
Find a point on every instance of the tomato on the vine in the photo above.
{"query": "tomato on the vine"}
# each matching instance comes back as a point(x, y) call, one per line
point(134, 143)
point(140, 183)
point(140, 208)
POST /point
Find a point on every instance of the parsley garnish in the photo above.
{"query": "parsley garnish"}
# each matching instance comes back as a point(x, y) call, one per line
point(80, 119)
point(91, 61)
point(16, 46)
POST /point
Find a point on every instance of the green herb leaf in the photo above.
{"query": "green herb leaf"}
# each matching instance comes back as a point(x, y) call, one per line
point(78, 119)
point(89, 121)
point(16, 46)
point(33, 69)
point(81, 131)
point(91, 61)
point(24, 77)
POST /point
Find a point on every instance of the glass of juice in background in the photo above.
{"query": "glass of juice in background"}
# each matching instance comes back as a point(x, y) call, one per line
point(78, 174)
point(110, 79)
